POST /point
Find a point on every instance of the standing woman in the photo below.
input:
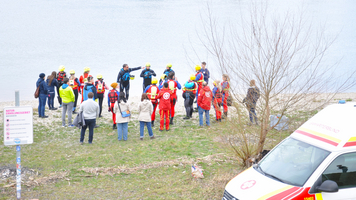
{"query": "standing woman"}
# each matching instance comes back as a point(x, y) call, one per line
point(51, 82)
point(41, 83)
point(122, 122)
point(225, 85)
point(145, 110)
point(100, 90)
point(75, 85)
point(253, 94)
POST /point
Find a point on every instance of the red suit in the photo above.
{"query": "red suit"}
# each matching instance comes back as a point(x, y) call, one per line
point(172, 85)
point(204, 98)
point(217, 101)
point(225, 87)
point(164, 97)
point(113, 97)
point(152, 93)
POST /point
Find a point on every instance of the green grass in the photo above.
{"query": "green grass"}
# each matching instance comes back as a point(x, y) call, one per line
point(56, 149)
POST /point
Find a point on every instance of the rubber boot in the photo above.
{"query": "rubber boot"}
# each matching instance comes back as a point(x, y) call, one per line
point(114, 126)
point(171, 121)
point(153, 123)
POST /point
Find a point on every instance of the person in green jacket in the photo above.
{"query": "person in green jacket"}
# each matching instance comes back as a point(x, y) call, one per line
point(68, 98)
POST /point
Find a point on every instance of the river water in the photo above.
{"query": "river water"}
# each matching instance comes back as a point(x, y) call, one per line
point(40, 35)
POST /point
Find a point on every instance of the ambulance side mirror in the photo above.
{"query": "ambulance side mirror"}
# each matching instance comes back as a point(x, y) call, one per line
point(328, 186)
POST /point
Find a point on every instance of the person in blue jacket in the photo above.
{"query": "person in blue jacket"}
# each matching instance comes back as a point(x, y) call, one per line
point(123, 78)
point(89, 87)
point(51, 83)
point(41, 83)
point(205, 72)
point(166, 72)
point(147, 74)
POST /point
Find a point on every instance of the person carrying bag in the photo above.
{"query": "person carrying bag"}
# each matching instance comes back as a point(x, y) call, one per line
point(122, 119)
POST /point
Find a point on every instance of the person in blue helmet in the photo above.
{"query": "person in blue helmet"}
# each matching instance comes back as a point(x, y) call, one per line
point(147, 74)
point(123, 78)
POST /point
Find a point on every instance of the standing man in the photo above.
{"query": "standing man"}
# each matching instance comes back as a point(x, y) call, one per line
point(189, 93)
point(199, 78)
point(60, 76)
point(90, 112)
point(147, 74)
point(205, 72)
point(100, 89)
point(68, 99)
point(168, 70)
point(152, 92)
point(75, 85)
point(164, 97)
point(225, 86)
point(123, 78)
point(113, 96)
point(173, 85)
point(43, 88)
point(204, 103)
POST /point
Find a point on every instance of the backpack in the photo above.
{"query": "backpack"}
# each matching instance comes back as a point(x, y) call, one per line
point(37, 92)
point(61, 76)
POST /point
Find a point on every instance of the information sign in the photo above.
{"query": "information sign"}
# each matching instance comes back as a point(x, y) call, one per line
point(18, 125)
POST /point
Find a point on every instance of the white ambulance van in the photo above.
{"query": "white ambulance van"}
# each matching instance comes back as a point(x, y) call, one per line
point(317, 161)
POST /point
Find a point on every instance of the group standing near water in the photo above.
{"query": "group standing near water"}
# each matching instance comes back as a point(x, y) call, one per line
point(162, 94)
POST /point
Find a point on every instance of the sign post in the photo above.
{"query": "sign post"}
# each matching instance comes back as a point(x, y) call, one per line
point(18, 129)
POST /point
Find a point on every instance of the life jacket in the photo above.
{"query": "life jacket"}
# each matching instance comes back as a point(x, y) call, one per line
point(227, 88)
point(60, 77)
point(84, 78)
point(146, 73)
point(218, 94)
point(100, 87)
point(73, 83)
point(126, 76)
point(172, 85)
point(152, 93)
point(113, 96)
point(166, 72)
point(86, 91)
point(200, 81)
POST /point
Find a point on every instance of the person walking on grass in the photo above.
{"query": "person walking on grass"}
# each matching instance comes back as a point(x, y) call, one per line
point(253, 94)
point(67, 95)
point(164, 97)
point(204, 103)
point(43, 89)
point(145, 110)
point(90, 111)
point(122, 122)
point(51, 83)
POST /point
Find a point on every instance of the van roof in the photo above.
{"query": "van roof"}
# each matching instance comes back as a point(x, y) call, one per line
point(333, 127)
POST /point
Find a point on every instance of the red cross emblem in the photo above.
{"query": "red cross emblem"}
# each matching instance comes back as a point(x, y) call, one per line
point(248, 184)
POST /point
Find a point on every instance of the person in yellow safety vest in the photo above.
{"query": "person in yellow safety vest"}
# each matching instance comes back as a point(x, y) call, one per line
point(189, 92)
point(75, 85)
point(100, 89)
point(152, 92)
point(225, 85)
point(199, 78)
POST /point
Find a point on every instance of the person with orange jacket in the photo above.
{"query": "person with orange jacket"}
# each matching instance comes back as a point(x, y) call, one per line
point(152, 92)
point(173, 85)
point(113, 97)
point(217, 99)
point(83, 79)
point(204, 103)
point(199, 78)
point(189, 93)
point(164, 97)
point(225, 85)
point(100, 89)
point(74, 83)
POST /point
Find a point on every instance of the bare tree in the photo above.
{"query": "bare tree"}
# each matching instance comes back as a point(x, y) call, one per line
point(285, 53)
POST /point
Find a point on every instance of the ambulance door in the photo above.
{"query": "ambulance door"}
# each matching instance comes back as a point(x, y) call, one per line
point(342, 171)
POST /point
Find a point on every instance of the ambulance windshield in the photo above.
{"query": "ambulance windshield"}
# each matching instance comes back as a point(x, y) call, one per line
point(292, 162)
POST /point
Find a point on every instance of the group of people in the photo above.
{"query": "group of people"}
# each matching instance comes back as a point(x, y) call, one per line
point(162, 93)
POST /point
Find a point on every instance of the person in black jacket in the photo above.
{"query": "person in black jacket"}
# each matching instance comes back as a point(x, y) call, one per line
point(123, 78)
point(41, 83)
point(147, 74)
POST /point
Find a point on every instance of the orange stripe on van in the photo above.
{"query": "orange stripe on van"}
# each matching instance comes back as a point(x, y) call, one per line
point(318, 137)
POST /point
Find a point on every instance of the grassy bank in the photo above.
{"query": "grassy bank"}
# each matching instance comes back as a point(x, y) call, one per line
point(59, 168)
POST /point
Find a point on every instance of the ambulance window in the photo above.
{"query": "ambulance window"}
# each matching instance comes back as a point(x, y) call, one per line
point(342, 170)
point(292, 161)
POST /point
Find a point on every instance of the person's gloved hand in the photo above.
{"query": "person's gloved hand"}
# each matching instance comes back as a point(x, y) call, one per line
point(109, 110)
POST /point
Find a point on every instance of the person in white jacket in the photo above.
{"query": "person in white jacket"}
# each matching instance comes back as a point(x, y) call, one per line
point(145, 110)
point(122, 122)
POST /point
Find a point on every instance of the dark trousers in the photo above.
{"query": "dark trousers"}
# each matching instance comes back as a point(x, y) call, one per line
point(76, 98)
point(101, 98)
point(59, 97)
point(88, 123)
point(51, 99)
point(188, 104)
point(126, 88)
